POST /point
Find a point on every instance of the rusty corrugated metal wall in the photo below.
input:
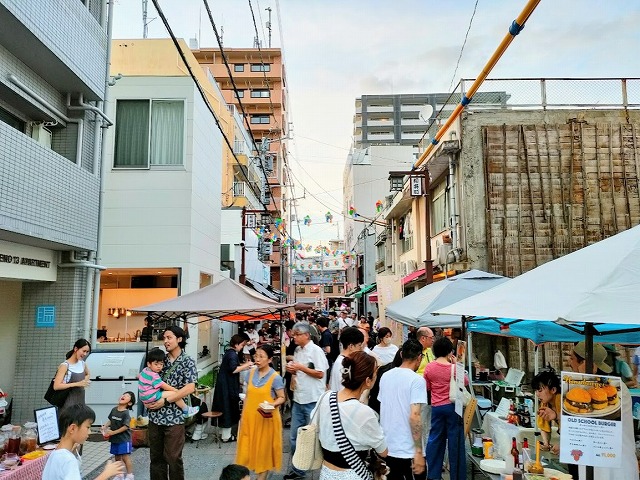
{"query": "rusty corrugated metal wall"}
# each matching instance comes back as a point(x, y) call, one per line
point(554, 188)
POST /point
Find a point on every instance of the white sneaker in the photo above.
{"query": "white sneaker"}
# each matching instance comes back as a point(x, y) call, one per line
point(191, 411)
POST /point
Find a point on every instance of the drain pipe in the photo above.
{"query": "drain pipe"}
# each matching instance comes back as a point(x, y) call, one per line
point(103, 172)
point(55, 113)
point(86, 106)
point(453, 219)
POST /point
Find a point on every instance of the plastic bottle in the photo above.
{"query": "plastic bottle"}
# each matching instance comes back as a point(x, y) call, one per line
point(515, 453)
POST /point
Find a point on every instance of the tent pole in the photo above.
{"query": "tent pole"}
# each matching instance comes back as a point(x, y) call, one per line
point(536, 369)
point(588, 360)
point(470, 360)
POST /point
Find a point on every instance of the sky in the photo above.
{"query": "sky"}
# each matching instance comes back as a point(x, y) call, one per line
point(338, 50)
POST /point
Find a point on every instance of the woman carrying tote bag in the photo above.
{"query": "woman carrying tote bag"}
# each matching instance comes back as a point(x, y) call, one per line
point(345, 422)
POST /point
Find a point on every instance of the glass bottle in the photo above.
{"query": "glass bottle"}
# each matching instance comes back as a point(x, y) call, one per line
point(515, 453)
point(13, 439)
point(29, 438)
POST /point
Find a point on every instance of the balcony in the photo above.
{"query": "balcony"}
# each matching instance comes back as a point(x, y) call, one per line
point(243, 196)
point(60, 41)
point(379, 108)
point(380, 137)
point(44, 194)
point(380, 123)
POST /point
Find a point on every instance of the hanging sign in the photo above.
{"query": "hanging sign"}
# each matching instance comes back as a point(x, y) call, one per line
point(416, 186)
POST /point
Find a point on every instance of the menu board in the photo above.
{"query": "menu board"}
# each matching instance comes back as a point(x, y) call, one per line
point(590, 421)
point(47, 420)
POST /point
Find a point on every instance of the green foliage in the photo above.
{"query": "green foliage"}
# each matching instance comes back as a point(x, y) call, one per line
point(209, 378)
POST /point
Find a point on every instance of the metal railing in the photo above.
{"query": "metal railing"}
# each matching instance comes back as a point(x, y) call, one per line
point(540, 93)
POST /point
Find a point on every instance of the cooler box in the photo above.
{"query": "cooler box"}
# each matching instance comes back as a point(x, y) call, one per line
point(509, 387)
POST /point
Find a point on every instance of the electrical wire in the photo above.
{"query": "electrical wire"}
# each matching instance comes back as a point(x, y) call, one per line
point(202, 92)
point(475, 7)
point(244, 115)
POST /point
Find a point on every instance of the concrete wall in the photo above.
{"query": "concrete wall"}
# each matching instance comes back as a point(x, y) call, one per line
point(591, 151)
point(11, 293)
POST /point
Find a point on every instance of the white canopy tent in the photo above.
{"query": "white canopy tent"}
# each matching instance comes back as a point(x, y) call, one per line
point(415, 309)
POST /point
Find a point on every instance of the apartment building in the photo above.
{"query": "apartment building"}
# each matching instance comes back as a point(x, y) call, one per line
point(52, 80)
point(260, 80)
point(163, 188)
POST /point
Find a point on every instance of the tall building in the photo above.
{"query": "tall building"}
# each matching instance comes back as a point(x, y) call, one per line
point(364, 184)
point(162, 222)
point(52, 79)
point(402, 119)
point(259, 76)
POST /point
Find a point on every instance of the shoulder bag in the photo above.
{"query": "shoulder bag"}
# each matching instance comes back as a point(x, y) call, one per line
point(345, 445)
point(453, 389)
point(308, 454)
point(56, 397)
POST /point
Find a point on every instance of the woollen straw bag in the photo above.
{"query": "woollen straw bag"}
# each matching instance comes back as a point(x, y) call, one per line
point(308, 454)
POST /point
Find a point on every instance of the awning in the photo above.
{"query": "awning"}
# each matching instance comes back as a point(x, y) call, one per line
point(352, 292)
point(364, 290)
point(373, 297)
point(262, 289)
point(413, 276)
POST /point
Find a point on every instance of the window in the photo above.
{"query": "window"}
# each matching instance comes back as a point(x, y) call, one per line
point(328, 289)
point(238, 67)
point(314, 289)
point(256, 119)
point(11, 120)
point(439, 209)
point(340, 288)
point(149, 132)
point(300, 289)
point(260, 93)
point(260, 67)
point(239, 94)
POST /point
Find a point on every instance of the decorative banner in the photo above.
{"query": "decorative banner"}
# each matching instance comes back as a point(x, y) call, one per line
point(307, 220)
point(378, 206)
point(352, 211)
point(591, 420)
point(328, 217)
point(278, 222)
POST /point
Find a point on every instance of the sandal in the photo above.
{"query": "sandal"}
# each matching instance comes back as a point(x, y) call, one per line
point(232, 438)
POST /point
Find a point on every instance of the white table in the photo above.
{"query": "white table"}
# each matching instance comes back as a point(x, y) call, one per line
point(499, 429)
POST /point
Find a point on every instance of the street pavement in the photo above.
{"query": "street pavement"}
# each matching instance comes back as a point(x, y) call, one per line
point(203, 461)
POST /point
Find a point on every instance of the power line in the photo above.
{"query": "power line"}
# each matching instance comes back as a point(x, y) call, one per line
point(463, 44)
point(244, 115)
point(201, 90)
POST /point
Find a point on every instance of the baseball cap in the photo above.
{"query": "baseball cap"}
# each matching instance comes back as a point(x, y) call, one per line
point(599, 355)
point(611, 349)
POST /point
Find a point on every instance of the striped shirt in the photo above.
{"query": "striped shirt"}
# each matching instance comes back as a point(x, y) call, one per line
point(149, 385)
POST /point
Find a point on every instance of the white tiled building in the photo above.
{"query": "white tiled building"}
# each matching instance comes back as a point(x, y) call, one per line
point(52, 60)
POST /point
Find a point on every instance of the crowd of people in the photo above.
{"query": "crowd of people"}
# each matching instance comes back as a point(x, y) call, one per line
point(372, 399)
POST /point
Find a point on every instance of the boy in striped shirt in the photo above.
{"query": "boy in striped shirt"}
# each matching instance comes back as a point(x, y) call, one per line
point(151, 385)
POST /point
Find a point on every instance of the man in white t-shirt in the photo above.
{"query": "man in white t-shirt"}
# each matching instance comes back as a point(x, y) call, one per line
point(352, 340)
point(308, 368)
point(402, 395)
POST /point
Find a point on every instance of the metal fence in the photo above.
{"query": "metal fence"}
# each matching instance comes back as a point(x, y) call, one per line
point(541, 93)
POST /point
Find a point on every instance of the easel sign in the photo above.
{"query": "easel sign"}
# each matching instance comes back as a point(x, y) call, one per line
point(47, 420)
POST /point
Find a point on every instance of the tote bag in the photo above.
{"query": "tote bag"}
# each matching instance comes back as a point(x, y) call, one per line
point(56, 397)
point(453, 390)
point(308, 454)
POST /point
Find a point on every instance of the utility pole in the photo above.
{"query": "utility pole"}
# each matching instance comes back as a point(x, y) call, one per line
point(243, 276)
point(268, 9)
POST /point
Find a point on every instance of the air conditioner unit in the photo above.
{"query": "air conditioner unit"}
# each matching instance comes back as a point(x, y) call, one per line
point(443, 252)
point(41, 134)
point(403, 268)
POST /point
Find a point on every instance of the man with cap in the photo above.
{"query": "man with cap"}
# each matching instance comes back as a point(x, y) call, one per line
point(629, 466)
point(620, 367)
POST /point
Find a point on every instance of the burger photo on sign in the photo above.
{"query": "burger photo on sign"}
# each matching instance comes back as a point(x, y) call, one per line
point(590, 396)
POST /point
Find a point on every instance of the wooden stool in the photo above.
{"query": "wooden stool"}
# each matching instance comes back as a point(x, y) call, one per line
point(216, 434)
